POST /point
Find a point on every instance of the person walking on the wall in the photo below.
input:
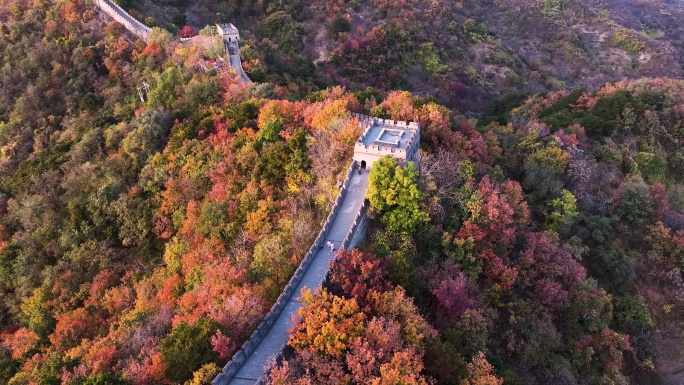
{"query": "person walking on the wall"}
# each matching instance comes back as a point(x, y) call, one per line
point(331, 246)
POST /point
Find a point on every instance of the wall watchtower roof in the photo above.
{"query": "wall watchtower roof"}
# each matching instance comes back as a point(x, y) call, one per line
point(383, 137)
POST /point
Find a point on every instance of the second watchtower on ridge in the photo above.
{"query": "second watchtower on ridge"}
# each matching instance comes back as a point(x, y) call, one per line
point(229, 32)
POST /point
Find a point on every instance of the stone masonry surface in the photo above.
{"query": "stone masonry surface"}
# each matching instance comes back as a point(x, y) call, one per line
point(268, 341)
point(234, 51)
point(118, 14)
point(231, 39)
point(382, 137)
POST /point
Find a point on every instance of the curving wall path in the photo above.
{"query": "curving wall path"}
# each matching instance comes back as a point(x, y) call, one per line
point(143, 32)
point(118, 14)
point(345, 227)
point(234, 51)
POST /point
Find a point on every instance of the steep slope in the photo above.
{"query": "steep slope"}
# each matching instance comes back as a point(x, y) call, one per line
point(448, 48)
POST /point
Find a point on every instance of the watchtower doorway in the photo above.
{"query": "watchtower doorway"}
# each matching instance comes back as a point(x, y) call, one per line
point(363, 164)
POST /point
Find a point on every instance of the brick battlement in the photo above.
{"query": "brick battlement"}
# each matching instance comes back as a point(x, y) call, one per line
point(365, 119)
point(230, 34)
point(117, 13)
point(381, 150)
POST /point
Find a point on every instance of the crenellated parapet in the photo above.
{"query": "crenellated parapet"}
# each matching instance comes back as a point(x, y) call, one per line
point(352, 238)
point(228, 31)
point(117, 13)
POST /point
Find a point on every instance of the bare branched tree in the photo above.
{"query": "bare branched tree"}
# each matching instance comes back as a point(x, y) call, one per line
point(325, 153)
point(241, 250)
point(440, 181)
point(322, 154)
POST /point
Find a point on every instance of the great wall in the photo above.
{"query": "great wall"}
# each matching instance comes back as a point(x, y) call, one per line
point(346, 226)
point(230, 34)
point(369, 148)
point(117, 13)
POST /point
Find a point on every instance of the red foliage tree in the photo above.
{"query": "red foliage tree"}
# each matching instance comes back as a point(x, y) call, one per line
point(667, 247)
point(327, 324)
point(21, 342)
point(357, 273)
point(494, 213)
point(187, 32)
point(380, 356)
point(658, 195)
point(222, 345)
point(73, 327)
point(481, 148)
point(603, 350)
point(337, 343)
point(451, 291)
point(550, 268)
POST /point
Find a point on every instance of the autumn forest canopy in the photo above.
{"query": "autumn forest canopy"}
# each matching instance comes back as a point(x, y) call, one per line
point(540, 239)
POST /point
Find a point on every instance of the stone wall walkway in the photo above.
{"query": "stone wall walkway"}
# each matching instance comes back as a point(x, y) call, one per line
point(143, 32)
point(275, 340)
point(236, 63)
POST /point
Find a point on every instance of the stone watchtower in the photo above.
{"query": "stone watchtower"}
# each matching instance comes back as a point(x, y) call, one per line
point(229, 32)
point(382, 137)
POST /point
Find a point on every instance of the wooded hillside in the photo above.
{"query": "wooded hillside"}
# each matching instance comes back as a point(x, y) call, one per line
point(141, 242)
